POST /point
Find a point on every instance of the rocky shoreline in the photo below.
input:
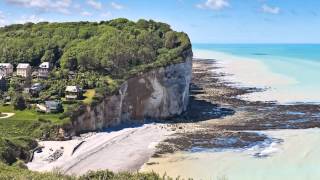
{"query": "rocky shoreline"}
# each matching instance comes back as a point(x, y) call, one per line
point(218, 118)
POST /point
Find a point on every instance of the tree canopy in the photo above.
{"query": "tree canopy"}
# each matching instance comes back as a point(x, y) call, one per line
point(112, 47)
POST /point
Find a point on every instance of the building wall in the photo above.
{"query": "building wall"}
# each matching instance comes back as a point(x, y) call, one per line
point(24, 72)
point(6, 72)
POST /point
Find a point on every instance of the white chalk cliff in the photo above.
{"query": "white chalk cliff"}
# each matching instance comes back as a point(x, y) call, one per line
point(160, 93)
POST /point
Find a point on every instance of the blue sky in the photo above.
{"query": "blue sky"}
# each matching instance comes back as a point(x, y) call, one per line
point(206, 21)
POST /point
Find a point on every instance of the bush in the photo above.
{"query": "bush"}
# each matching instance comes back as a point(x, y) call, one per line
point(20, 164)
point(15, 148)
point(19, 103)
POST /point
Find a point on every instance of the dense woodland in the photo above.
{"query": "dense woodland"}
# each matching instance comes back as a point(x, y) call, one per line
point(96, 52)
point(112, 47)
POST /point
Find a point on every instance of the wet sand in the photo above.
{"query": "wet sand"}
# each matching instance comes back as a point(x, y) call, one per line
point(294, 158)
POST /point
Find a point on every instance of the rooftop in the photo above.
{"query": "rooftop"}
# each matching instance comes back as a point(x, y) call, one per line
point(52, 104)
point(36, 86)
point(45, 65)
point(6, 65)
point(74, 89)
point(23, 65)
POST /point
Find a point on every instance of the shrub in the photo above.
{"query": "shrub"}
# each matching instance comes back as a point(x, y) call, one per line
point(19, 103)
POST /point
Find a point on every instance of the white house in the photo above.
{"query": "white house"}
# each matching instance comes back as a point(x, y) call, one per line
point(44, 70)
point(24, 70)
point(72, 92)
point(6, 69)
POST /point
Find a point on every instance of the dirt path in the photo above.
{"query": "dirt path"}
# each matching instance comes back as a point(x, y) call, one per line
point(7, 115)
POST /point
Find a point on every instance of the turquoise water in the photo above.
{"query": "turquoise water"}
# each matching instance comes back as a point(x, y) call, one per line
point(308, 52)
point(298, 61)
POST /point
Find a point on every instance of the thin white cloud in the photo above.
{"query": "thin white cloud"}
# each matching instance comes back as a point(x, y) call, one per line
point(95, 4)
point(31, 18)
point(86, 13)
point(214, 4)
point(117, 6)
point(44, 5)
point(271, 10)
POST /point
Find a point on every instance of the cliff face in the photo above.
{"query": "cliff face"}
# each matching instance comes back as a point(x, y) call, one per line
point(158, 94)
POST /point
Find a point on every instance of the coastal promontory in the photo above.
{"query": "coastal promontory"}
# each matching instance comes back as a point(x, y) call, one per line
point(62, 79)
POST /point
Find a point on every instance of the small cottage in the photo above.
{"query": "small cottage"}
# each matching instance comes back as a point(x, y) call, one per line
point(6, 69)
point(24, 70)
point(35, 89)
point(44, 70)
point(3, 83)
point(72, 92)
point(53, 106)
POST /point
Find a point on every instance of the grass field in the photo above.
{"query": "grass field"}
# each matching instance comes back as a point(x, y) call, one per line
point(18, 125)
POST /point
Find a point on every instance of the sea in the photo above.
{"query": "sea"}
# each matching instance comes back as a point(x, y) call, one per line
point(297, 155)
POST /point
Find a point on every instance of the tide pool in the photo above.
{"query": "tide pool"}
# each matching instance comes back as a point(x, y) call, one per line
point(297, 63)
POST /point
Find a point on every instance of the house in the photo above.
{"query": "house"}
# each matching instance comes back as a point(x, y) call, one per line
point(35, 89)
point(3, 83)
point(72, 92)
point(44, 70)
point(24, 70)
point(50, 107)
point(53, 106)
point(6, 69)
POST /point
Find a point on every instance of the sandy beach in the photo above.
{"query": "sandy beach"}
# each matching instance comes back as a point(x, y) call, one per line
point(246, 72)
point(124, 150)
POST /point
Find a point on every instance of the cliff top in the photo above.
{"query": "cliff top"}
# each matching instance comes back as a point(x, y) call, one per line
point(111, 47)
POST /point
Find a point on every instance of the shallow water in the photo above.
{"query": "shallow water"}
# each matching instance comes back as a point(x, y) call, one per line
point(296, 157)
point(297, 63)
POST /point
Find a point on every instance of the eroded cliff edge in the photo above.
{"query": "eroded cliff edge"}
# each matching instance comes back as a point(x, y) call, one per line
point(158, 94)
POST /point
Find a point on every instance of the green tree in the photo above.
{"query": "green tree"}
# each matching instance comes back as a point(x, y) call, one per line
point(171, 40)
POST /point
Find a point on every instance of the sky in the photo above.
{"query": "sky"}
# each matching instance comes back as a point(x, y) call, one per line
point(205, 21)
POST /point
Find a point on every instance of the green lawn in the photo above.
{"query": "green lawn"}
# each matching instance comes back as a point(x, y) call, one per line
point(89, 94)
point(29, 114)
point(21, 123)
